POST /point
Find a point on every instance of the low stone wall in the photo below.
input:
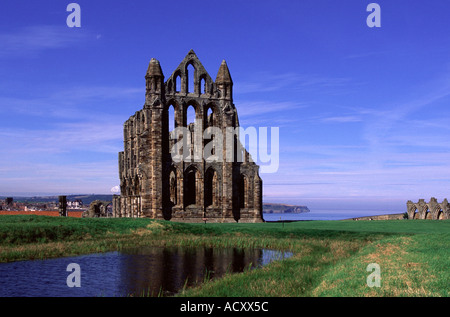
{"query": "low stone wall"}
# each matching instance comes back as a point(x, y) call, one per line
point(381, 217)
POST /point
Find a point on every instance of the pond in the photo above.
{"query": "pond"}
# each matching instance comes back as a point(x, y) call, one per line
point(148, 271)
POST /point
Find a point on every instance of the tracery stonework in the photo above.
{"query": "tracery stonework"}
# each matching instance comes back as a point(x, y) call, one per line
point(156, 185)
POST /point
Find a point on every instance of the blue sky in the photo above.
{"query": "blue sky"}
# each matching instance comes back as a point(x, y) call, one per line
point(363, 112)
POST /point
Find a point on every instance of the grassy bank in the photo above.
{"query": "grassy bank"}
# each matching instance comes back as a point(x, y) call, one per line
point(330, 257)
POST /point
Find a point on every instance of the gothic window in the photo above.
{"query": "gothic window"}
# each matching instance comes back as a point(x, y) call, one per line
point(177, 83)
point(210, 117)
point(190, 76)
point(202, 85)
point(190, 187)
point(211, 188)
point(173, 188)
point(190, 115)
point(210, 122)
point(171, 117)
point(243, 191)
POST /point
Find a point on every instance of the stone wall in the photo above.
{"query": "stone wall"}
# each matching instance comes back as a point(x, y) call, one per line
point(430, 210)
point(381, 217)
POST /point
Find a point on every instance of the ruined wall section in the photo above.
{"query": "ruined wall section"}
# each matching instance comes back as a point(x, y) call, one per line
point(132, 171)
point(431, 210)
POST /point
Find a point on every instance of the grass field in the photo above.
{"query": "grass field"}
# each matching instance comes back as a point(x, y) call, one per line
point(330, 257)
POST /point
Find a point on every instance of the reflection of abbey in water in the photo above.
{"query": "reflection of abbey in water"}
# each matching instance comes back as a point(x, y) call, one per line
point(153, 185)
point(168, 270)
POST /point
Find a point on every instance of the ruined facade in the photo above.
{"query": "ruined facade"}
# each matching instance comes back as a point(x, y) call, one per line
point(430, 210)
point(156, 183)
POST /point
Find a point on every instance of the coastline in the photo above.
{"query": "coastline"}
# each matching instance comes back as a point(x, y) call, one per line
point(332, 215)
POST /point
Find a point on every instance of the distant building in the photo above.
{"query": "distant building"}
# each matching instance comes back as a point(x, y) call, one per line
point(75, 204)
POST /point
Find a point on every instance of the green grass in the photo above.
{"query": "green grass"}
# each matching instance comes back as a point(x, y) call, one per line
point(30, 229)
point(330, 257)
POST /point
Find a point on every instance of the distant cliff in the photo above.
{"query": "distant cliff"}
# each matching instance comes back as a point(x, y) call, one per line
point(270, 208)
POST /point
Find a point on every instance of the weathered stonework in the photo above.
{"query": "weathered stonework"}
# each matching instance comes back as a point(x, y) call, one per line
point(97, 208)
point(154, 185)
point(431, 210)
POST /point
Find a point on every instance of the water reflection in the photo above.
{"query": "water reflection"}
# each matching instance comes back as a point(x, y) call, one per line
point(169, 269)
point(149, 271)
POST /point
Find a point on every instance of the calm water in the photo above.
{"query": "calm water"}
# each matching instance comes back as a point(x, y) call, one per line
point(325, 215)
point(146, 271)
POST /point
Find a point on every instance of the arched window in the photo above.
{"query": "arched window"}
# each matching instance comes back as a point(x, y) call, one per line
point(211, 188)
point(177, 83)
point(243, 192)
point(189, 140)
point(173, 188)
point(190, 115)
point(208, 189)
point(190, 78)
point(210, 116)
point(171, 117)
point(190, 187)
point(210, 122)
point(203, 86)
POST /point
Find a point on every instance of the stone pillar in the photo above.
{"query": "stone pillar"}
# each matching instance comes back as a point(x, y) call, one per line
point(145, 169)
point(116, 206)
point(123, 209)
point(156, 162)
point(258, 199)
point(62, 206)
point(445, 206)
point(226, 196)
point(411, 209)
point(434, 208)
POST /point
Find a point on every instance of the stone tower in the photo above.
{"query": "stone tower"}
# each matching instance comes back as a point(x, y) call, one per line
point(191, 182)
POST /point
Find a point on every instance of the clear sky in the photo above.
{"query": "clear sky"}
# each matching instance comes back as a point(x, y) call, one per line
point(363, 113)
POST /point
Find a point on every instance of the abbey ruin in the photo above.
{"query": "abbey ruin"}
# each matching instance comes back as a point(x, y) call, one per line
point(430, 210)
point(175, 169)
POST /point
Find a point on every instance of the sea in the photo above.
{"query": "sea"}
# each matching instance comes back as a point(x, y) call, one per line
point(325, 214)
